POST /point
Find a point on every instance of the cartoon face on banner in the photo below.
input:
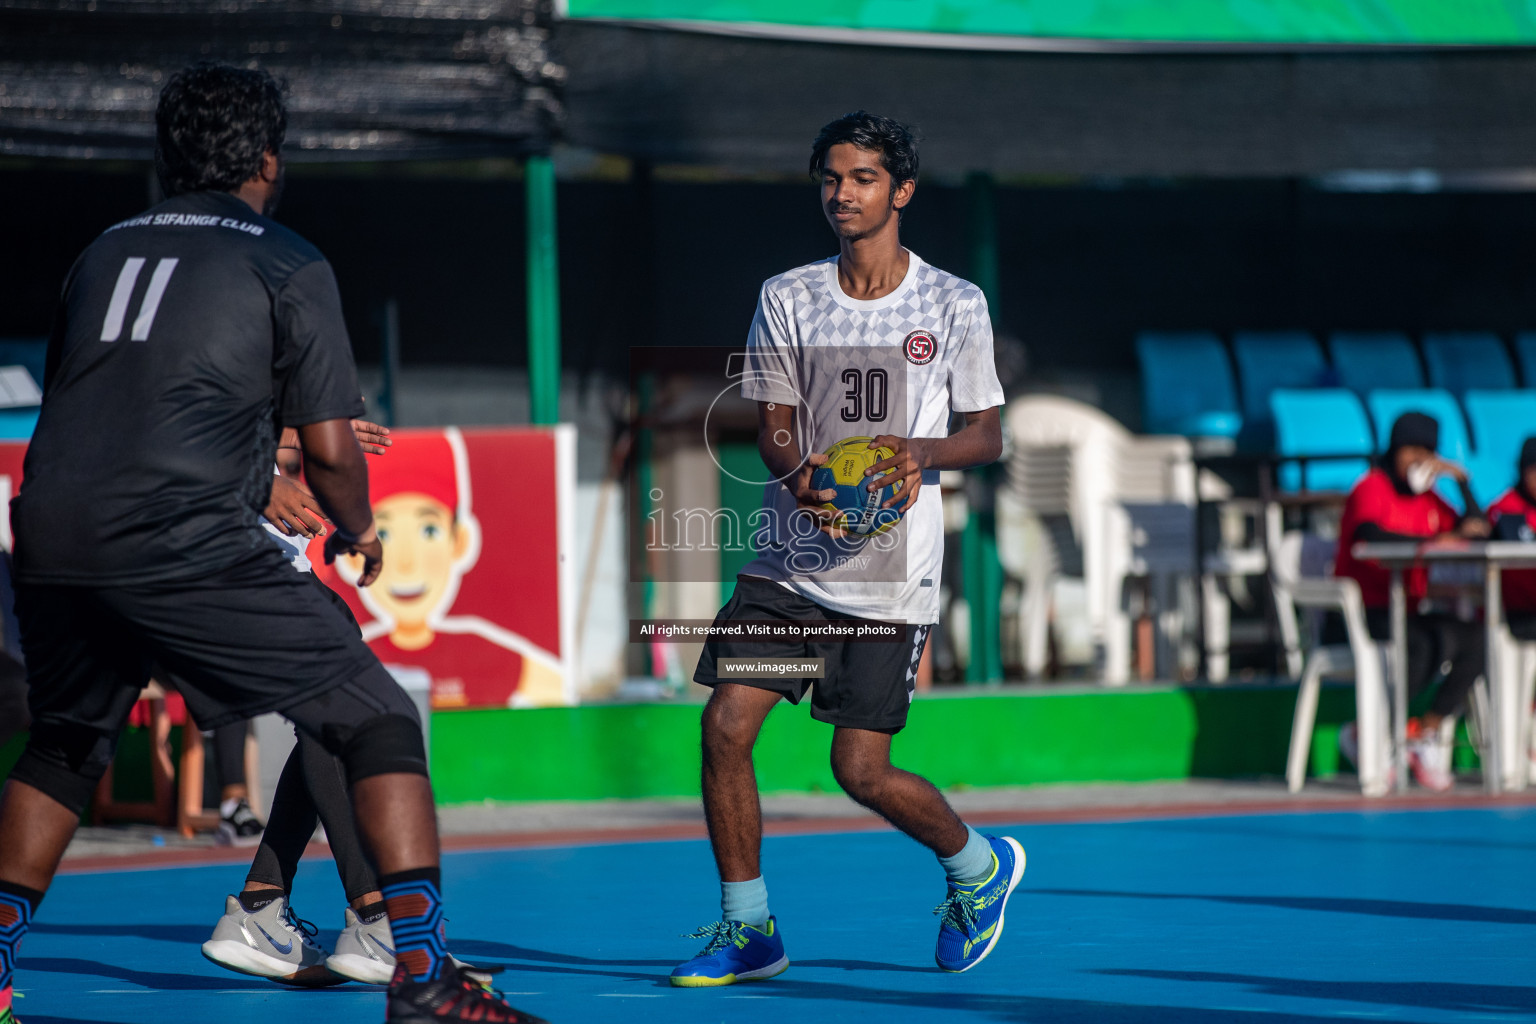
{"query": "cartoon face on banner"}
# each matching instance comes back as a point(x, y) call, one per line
point(469, 592)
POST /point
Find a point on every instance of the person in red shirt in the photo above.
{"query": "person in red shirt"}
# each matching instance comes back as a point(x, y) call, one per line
point(1514, 518)
point(1396, 501)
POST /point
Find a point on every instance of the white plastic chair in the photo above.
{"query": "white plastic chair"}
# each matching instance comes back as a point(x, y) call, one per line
point(1092, 502)
point(1224, 568)
point(1063, 473)
point(1517, 667)
point(1362, 659)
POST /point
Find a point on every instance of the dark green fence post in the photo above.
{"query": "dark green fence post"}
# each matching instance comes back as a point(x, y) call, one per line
point(543, 292)
point(983, 572)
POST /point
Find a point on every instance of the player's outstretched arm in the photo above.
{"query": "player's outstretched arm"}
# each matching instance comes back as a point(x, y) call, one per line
point(977, 443)
point(338, 476)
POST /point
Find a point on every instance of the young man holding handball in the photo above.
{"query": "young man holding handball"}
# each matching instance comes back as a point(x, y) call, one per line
point(872, 342)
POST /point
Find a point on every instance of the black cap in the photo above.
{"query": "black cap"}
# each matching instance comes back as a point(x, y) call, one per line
point(1414, 428)
point(1528, 454)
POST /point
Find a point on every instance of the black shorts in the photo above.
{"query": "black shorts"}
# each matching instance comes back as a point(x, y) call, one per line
point(252, 638)
point(176, 683)
point(866, 684)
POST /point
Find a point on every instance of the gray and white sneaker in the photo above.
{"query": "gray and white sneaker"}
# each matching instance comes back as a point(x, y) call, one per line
point(269, 943)
point(365, 950)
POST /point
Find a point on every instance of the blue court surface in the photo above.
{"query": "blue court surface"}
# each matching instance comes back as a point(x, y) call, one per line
point(1392, 915)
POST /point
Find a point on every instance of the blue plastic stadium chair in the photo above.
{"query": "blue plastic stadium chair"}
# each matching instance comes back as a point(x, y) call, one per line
point(1466, 360)
point(1267, 360)
point(18, 424)
point(1387, 405)
point(1501, 421)
point(1321, 421)
point(1366, 360)
point(1187, 385)
point(1525, 352)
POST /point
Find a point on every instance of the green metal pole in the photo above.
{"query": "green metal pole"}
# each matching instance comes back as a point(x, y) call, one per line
point(983, 572)
point(645, 475)
point(981, 231)
point(543, 291)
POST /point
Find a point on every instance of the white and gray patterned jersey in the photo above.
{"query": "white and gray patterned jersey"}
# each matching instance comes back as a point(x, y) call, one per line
point(900, 364)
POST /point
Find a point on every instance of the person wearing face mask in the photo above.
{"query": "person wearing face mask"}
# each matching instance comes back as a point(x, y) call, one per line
point(1396, 501)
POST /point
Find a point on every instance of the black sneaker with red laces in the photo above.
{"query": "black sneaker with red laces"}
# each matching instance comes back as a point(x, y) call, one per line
point(452, 995)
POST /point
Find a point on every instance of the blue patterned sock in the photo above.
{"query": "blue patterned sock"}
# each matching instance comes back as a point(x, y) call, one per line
point(414, 902)
point(17, 903)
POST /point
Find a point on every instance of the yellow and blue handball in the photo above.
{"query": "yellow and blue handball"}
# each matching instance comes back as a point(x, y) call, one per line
point(858, 506)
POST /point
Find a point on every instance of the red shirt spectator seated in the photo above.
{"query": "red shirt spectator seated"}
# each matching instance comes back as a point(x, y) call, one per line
point(1396, 502)
point(1514, 518)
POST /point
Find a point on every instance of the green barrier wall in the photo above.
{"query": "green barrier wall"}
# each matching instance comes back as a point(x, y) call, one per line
point(1023, 737)
point(1029, 737)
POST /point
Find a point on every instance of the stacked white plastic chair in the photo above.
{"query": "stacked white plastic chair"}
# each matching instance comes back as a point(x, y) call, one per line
point(1062, 475)
point(1150, 535)
point(1088, 500)
point(1101, 504)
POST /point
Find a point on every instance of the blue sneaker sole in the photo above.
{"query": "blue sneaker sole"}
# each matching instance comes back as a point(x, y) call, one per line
point(773, 970)
point(1013, 882)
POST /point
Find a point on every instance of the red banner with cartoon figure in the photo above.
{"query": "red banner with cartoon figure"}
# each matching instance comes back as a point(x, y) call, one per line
point(476, 527)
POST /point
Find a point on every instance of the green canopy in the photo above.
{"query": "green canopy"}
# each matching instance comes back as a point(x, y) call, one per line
point(1094, 24)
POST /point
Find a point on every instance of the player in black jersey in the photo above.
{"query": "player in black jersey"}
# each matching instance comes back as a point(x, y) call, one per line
point(186, 338)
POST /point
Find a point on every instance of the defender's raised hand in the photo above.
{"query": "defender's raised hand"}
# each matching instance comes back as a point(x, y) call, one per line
point(373, 438)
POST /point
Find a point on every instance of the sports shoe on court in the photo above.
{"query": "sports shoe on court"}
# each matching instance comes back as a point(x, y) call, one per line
point(735, 952)
point(1428, 758)
point(972, 916)
point(452, 995)
point(365, 952)
point(269, 943)
point(240, 827)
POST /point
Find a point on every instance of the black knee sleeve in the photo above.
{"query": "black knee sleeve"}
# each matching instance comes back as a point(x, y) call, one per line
point(381, 745)
point(65, 763)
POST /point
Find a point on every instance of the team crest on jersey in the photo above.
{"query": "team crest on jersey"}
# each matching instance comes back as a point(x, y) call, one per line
point(920, 348)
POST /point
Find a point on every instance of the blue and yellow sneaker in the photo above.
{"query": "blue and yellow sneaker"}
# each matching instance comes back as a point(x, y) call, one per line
point(736, 952)
point(972, 919)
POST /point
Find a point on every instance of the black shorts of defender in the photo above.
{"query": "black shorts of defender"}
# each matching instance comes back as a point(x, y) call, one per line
point(865, 684)
point(252, 638)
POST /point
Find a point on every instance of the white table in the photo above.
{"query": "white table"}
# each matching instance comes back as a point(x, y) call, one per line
point(1493, 557)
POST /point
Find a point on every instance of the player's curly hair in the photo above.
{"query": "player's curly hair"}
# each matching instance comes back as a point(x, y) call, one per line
point(213, 124)
point(894, 141)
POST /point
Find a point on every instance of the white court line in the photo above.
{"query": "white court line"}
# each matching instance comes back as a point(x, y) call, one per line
point(120, 991)
point(631, 995)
